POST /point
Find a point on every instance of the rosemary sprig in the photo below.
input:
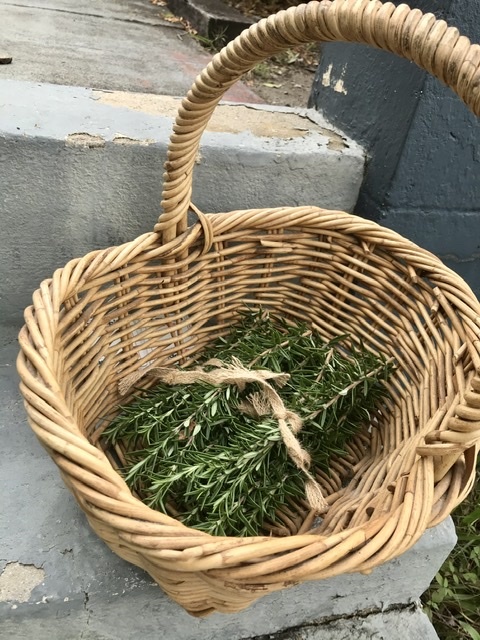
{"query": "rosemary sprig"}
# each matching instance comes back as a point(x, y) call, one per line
point(227, 472)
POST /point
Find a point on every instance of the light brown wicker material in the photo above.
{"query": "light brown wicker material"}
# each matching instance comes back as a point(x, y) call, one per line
point(161, 298)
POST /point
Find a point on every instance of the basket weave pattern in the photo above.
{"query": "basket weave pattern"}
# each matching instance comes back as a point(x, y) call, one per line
point(162, 297)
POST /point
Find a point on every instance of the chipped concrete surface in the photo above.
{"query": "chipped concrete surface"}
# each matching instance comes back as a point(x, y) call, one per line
point(409, 623)
point(93, 172)
point(227, 118)
point(81, 115)
point(84, 140)
point(155, 105)
point(17, 581)
point(89, 118)
point(89, 141)
point(127, 140)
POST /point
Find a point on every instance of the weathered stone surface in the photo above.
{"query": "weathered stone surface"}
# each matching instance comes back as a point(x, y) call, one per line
point(81, 170)
point(105, 44)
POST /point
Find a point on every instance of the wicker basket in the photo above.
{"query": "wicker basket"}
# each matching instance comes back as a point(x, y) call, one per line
point(165, 295)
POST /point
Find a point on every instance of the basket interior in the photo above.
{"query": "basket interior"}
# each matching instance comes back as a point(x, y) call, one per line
point(159, 311)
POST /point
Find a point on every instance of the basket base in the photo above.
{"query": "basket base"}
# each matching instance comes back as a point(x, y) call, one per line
point(84, 583)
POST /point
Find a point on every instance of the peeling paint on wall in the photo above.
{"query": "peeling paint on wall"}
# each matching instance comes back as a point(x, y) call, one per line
point(339, 86)
point(327, 76)
point(227, 118)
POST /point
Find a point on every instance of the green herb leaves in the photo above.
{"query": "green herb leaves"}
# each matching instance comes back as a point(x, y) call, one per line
point(227, 472)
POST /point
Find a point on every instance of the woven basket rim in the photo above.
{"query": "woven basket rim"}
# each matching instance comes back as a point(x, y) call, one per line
point(195, 234)
point(228, 574)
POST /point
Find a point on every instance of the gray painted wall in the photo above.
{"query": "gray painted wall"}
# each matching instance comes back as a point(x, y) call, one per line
point(422, 176)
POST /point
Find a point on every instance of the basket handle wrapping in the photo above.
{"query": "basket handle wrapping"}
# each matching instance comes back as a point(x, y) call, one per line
point(419, 37)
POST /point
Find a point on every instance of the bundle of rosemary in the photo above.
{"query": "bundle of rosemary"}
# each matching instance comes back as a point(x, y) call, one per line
point(225, 445)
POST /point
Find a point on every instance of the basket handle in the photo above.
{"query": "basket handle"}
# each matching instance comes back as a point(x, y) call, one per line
point(419, 37)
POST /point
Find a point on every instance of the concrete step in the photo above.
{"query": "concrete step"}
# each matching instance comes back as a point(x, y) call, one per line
point(81, 170)
point(408, 623)
point(131, 45)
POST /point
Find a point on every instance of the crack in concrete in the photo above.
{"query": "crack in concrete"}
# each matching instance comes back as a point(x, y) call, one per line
point(86, 599)
point(285, 634)
point(153, 23)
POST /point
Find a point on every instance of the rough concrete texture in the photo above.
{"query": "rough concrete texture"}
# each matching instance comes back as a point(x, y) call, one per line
point(81, 170)
point(104, 44)
point(88, 590)
point(17, 581)
point(407, 624)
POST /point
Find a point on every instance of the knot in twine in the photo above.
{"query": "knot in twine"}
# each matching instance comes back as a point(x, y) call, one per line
point(264, 402)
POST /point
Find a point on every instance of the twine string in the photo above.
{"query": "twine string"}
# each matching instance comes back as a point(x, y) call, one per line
point(267, 401)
